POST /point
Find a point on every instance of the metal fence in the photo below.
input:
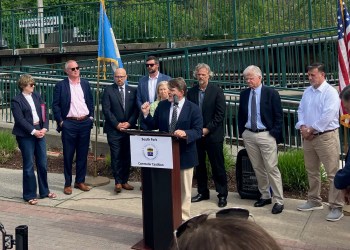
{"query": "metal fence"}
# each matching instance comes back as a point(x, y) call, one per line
point(282, 58)
point(163, 20)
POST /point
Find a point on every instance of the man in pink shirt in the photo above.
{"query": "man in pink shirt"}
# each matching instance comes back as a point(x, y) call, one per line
point(73, 109)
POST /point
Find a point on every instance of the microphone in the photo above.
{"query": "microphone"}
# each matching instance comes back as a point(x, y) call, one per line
point(176, 100)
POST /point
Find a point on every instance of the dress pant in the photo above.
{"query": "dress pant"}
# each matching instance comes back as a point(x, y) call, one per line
point(262, 151)
point(33, 147)
point(186, 176)
point(75, 139)
point(323, 148)
point(119, 144)
point(217, 163)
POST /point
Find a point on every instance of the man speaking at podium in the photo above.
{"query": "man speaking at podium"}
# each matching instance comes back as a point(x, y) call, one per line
point(183, 119)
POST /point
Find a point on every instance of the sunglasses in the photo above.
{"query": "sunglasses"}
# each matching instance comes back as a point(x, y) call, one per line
point(149, 65)
point(73, 69)
point(31, 84)
point(196, 221)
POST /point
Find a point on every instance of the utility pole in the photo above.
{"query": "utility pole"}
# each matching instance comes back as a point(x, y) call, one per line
point(41, 37)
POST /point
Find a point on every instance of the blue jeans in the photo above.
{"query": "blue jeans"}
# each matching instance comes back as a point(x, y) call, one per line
point(33, 147)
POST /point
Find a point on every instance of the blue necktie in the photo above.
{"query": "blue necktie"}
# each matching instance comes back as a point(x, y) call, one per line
point(253, 113)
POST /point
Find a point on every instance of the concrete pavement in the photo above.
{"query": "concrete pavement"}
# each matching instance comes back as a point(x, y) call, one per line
point(100, 219)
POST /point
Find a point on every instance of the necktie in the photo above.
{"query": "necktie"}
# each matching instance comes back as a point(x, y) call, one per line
point(253, 113)
point(121, 91)
point(173, 119)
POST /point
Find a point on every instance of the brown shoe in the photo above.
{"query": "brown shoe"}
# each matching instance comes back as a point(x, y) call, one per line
point(81, 186)
point(118, 188)
point(127, 186)
point(67, 190)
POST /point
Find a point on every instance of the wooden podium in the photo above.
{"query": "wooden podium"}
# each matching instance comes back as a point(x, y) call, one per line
point(161, 199)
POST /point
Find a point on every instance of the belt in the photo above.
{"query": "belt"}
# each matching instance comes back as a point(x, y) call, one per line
point(321, 133)
point(81, 118)
point(257, 131)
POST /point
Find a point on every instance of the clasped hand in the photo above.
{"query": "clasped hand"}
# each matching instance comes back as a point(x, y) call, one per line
point(145, 108)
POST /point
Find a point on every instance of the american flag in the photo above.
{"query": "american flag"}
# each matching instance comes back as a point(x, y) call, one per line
point(343, 45)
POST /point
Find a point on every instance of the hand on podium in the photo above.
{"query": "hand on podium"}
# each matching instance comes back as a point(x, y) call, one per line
point(180, 134)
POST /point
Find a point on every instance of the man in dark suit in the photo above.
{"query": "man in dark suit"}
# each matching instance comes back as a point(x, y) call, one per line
point(211, 101)
point(260, 120)
point(182, 118)
point(147, 87)
point(120, 112)
point(73, 109)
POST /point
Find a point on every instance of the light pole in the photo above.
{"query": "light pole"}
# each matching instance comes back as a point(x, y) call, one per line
point(41, 36)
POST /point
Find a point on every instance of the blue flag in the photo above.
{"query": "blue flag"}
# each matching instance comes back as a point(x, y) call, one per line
point(107, 46)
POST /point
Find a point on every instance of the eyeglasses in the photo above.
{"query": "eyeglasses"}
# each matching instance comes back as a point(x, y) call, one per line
point(119, 77)
point(196, 221)
point(73, 69)
point(149, 65)
point(31, 84)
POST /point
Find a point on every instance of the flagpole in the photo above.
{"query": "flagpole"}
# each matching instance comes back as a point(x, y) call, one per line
point(96, 180)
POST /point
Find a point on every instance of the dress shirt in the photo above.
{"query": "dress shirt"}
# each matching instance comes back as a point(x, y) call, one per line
point(152, 86)
point(179, 108)
point(258, 97)
point(29, 98)
point(78, 107)
point(201, 94)
point(319, 108)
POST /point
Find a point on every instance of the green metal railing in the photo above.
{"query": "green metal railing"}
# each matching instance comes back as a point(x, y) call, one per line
point(282, 58)
point(164, 20)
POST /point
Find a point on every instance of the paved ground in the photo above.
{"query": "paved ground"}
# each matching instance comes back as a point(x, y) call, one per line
point(100, 219)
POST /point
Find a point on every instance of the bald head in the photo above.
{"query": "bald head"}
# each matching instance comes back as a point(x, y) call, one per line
point(120, 76)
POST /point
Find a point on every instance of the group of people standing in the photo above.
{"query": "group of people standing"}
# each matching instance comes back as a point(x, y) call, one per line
point(195, 116)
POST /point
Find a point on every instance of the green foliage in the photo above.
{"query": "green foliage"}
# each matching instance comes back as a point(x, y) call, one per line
point(8, 145)
point(108, 160)
point(292, 168)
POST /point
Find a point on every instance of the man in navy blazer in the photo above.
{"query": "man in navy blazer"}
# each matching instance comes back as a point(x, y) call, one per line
point(147, 87)
point(188, 128)
point(260, 120)
point(73, 109)
point(120, 112)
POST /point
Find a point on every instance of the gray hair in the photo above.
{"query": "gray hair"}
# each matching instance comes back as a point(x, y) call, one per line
point(68, 62)
point(201, 66)
point(252, 69)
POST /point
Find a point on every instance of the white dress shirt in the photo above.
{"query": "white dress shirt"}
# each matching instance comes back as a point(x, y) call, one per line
point(152, 88)
point(179, 108)
point(258, 98)
point(319, 108)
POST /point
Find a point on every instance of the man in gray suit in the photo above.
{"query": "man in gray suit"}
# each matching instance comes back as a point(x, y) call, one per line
point(147, 87)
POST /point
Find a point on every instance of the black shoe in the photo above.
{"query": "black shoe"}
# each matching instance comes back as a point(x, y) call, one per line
point(222, 202)
point(277, 208)
point(262, 202)
point(200, 197)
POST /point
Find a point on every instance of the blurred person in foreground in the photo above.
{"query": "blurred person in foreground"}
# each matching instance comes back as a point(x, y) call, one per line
point(73, 110)
point(224, 234)
point(342, 177)
point(182, 118)
point(318, 122)
point(30, 128)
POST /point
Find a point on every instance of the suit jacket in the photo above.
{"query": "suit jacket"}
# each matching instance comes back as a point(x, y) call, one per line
point(189, 120)
point(62, 98)
point(113, 110)
point(342, 177)
point(270, 110)
point(142, 88)
point(213, 110)
point(22, 113)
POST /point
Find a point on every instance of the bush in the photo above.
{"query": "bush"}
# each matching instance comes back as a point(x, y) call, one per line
point(8, 145)
point(292, 168)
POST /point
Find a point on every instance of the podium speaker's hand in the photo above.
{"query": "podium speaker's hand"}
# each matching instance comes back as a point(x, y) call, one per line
point(145, 108)
point(180, 134)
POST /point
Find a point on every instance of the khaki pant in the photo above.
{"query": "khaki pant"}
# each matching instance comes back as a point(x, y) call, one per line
point(323, 148)
point(186, 176)
point(262, 151)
